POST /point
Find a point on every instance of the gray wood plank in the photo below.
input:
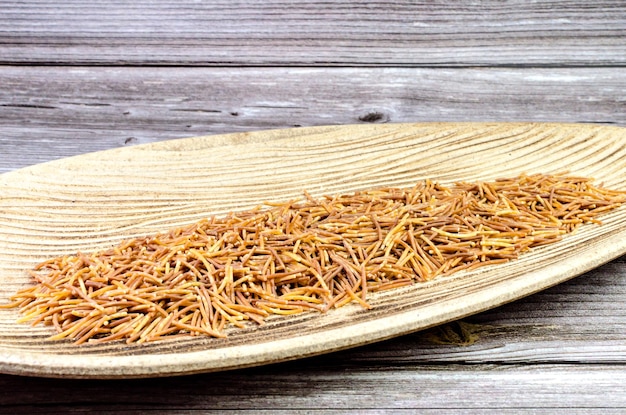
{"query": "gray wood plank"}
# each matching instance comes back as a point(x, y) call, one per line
point(278, 32)
point(52, 112)
point(312, 387)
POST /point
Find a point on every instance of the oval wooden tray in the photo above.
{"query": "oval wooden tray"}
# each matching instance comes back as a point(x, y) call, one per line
point(95, 200)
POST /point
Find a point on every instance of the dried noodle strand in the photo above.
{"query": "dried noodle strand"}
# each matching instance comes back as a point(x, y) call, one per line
point(311, 254)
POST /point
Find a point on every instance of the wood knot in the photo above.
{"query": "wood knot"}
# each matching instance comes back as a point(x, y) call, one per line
point(374, 116)
point(457, 333)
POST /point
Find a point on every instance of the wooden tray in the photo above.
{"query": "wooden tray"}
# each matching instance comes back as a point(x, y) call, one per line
point(95, 200)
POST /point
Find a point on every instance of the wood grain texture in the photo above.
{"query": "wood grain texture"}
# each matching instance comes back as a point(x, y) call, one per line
point(545, 388)
point(54, 112)
point(578, 327)
point(93, 201)
point(317, 33)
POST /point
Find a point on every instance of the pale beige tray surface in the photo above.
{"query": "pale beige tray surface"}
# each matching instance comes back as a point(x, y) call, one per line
point(95, 200)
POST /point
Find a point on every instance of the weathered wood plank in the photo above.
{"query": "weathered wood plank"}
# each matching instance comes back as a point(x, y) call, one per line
point(52, 112)
point(310, 387)
point(386, 32)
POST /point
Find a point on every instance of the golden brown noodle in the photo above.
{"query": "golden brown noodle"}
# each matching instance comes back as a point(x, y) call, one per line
point(301, 255)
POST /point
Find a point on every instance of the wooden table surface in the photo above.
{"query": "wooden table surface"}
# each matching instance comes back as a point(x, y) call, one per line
point(76, 77)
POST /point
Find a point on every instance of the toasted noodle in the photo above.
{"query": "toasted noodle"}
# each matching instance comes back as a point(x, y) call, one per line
point(301, 255)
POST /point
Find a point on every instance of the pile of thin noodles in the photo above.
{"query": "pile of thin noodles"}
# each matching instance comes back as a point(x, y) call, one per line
point(310, 254)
